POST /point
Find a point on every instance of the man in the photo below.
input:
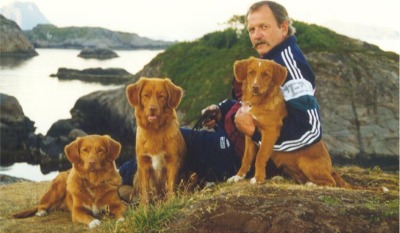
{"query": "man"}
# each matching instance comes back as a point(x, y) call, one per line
point(272, 35)
point(216, 155)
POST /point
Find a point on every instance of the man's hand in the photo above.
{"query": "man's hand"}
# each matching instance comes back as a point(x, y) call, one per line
point(215, 112)
point(244, 121)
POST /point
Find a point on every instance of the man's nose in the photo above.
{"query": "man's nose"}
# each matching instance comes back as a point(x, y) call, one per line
point(257, 34)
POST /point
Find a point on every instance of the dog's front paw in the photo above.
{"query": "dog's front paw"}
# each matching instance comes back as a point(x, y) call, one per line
point(310, 184)
point(255, 181)
point(235, 179)
point(94, 223)
point(120, 220)
point(41, 213)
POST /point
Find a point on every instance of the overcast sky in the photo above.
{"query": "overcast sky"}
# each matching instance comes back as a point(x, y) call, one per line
point(190, 19)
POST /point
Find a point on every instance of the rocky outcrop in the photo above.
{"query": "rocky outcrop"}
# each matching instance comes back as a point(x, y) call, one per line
point(98, 53)
point(104, 76)
point(359, 99)
point(50, 36)
point(15, 128)
point(13, 41)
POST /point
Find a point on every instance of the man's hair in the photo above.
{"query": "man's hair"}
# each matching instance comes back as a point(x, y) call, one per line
point(279, 12)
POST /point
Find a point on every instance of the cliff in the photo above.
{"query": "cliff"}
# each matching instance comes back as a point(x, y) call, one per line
point(50, 36)
point(13, 41)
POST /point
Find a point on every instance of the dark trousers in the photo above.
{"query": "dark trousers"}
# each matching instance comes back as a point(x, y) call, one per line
point(209, 153)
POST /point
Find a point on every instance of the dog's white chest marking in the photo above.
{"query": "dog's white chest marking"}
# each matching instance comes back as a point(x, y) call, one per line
point(158, 163)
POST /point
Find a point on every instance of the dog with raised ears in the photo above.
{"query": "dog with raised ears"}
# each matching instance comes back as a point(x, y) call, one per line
point(160, 147)
point(90, 187)
point(261, 81)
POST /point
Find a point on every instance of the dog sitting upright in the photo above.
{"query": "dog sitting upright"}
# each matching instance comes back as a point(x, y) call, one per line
point(261, 80)
point(160, 147)
point(90, 186)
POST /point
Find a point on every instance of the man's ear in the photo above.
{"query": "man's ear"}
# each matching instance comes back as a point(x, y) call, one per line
point(114, 148)
point(133, 92)
point(280, 73)
point(174, 93)
point(240, 69)
point(72, 151)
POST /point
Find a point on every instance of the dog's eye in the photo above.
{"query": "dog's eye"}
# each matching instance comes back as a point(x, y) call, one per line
point(101, 150)
point(251, 73)
point(85, 149)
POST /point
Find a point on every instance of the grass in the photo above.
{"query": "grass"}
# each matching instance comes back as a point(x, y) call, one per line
point(186, 210)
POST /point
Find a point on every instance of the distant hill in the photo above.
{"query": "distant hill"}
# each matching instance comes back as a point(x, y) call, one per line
point(13, 41)
point(50, 36)
point(26, 14)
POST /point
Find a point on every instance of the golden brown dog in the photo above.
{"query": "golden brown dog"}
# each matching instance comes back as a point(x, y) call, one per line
point(261, 80)
point(90, 186)
point(160, 147)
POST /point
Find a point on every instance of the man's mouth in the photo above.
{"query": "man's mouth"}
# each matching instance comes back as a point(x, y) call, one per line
point(260, 42)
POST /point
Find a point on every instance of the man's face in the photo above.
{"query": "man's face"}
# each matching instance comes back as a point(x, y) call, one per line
point(264, 31)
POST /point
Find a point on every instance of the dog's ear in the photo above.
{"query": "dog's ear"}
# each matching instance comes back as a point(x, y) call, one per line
point(133, 92)
point(280, 73)
point(240, 68)
point(174, 93)
point(114, 148)
point(72, 151)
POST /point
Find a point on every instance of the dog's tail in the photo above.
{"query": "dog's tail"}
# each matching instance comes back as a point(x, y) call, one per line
point(26, 213)
point(340, 182)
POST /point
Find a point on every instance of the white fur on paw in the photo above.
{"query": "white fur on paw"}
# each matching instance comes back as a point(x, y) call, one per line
point(384, 189)
point(120, 220)
point(94, 223)
point(41, 213)
point(310, 184)
point(253, 180)
point(235, 179)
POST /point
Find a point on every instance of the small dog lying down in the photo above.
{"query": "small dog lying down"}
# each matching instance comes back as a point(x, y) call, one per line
point(160, 147)
point(90, 186)
point(261, 80)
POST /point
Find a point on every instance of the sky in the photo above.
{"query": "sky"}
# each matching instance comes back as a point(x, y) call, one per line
point(186, 20)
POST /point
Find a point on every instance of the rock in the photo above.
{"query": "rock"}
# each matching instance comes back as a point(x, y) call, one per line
point(5, 179)
point(104, 76)
point(359, 99)
point(13, 41)
point(99, 53)
point(14, 125)
point(105, 112)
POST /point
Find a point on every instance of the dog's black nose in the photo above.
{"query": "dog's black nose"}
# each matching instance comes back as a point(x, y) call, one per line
point(255, 88)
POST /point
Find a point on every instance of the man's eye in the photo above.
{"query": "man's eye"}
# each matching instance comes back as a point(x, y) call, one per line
point(250, 30)
point(264, 27)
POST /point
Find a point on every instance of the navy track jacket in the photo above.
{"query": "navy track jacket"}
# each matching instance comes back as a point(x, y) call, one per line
point(302, 126)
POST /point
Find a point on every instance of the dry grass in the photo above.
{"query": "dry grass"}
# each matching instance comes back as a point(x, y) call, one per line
point(161, 217)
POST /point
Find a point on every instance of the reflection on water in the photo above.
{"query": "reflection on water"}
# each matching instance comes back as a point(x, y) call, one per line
point(46, 100)
point(27, 171)
point(12, 62)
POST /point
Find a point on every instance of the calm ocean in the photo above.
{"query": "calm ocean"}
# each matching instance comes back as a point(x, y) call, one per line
point(46, 100)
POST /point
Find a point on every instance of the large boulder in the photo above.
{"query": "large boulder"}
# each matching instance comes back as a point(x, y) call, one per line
point(15, 128)
point(13, 41)
point(105, 112)
point(359, 99)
